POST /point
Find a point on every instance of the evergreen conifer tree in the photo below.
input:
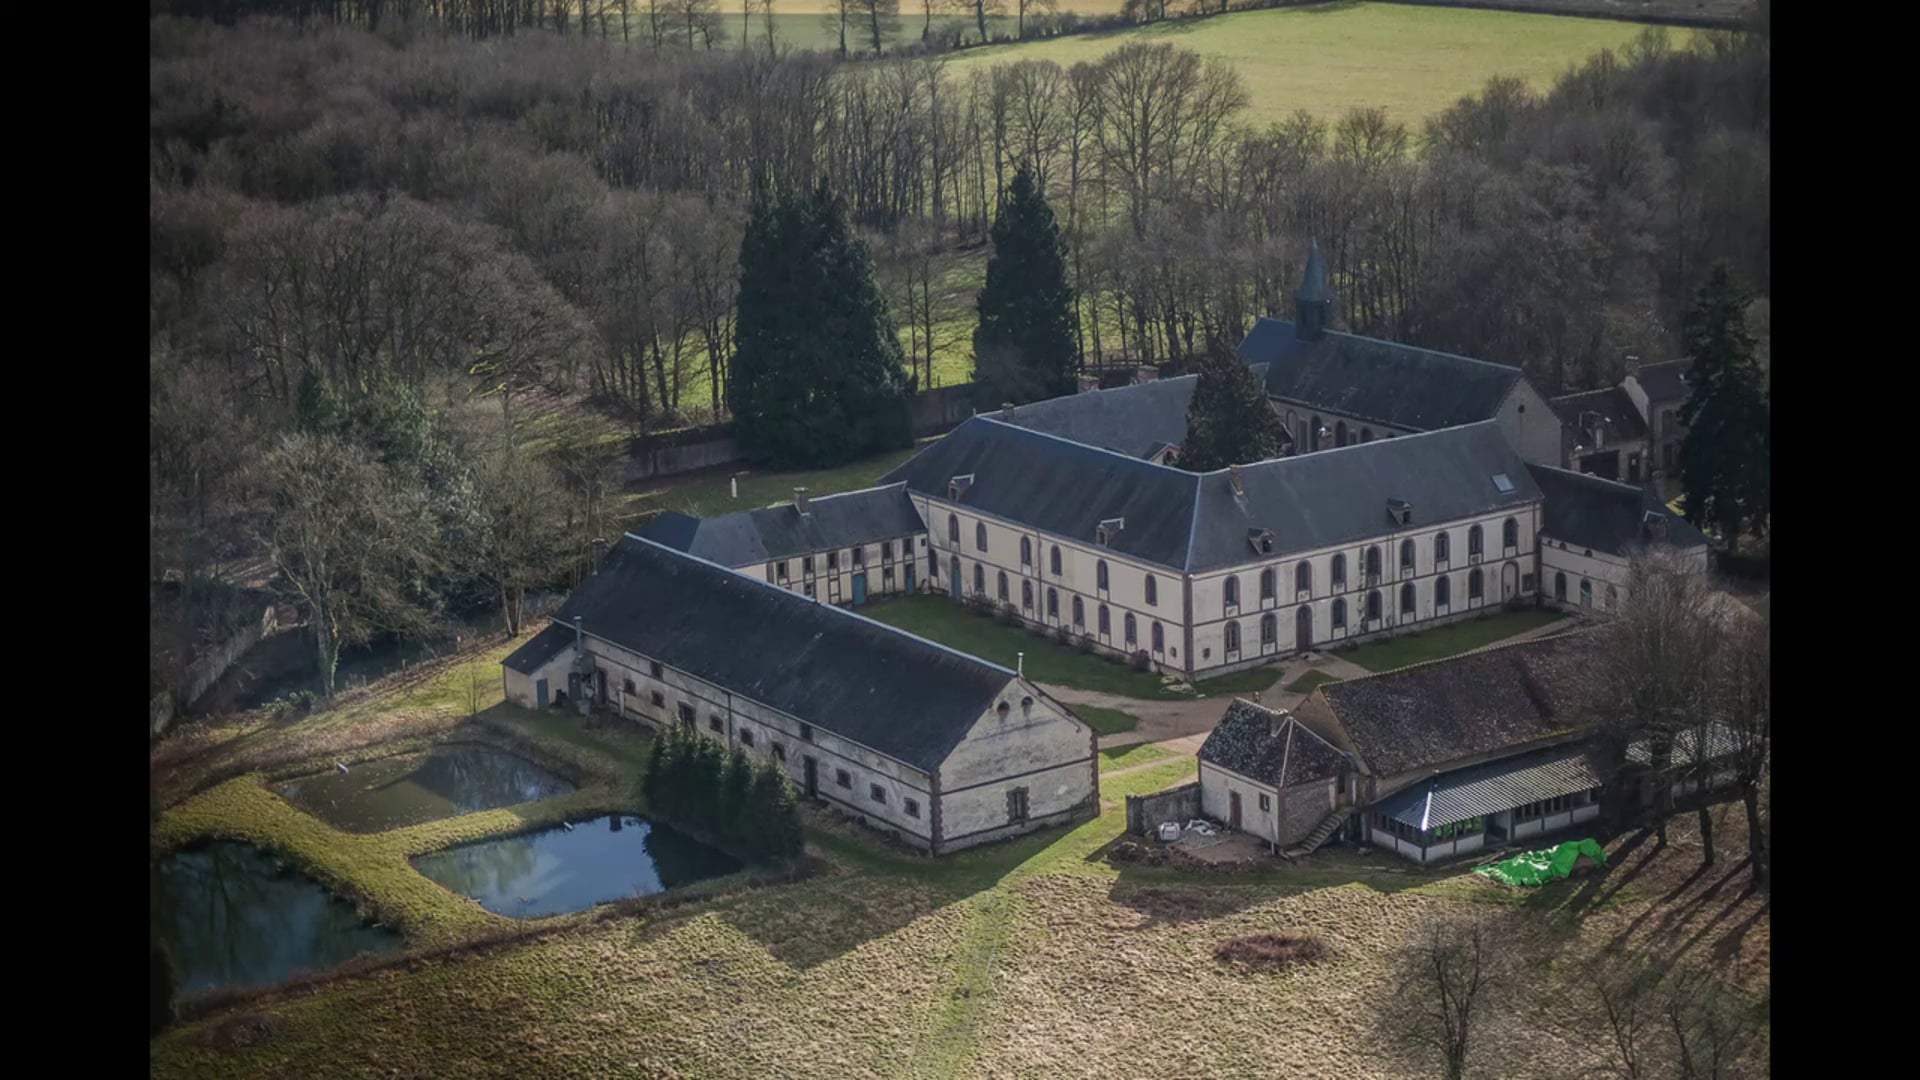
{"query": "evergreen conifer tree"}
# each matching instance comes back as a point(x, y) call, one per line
point(776, 813)
point(1023, 347)
point(1725, 456)
point(819, 377)
point(733, 812)
point(1229, 420)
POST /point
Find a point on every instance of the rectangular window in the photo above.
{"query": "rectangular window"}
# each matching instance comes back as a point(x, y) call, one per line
point(1017, 806)
point(1266, 803)
point(809, 588)
point(859, 556)
point(876, 793)
point(886, 549)
point(659, 700)
point(781, 570)
point(653, 668)
point(779, 752)
point(806, 564)
point(913, 807)
point(627, 685)
point(714, 723)
point(843, 778)
point(746, 737)
point(806, 732)
point(886, 575)
point(833, 560)
point(686, 713)
point(1526, 583)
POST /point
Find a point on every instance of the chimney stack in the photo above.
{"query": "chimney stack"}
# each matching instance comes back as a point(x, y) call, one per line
point(1238, 481)
point(1020, 663)
point(800, 501)
point(579, 636)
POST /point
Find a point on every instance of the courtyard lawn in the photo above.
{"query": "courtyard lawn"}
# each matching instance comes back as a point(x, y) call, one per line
point(1115, 758)
point(1239, 683)
point(1311, 681)
point(938, 618)
point(1412, 61)
point(1451, 640)
point(708, 493)
point(1106, 721)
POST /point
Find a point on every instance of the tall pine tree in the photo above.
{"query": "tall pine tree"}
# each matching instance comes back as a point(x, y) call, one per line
point(819, 378)
point(1229, 421)
point(1725, 459)
point(1023, 346)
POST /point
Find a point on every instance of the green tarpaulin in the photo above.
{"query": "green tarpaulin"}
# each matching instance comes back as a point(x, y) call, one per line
point(1540, 867)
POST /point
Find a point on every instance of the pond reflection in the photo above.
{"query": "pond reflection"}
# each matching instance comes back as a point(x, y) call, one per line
point(235, 915)
point(560, 869)
point(451, 779)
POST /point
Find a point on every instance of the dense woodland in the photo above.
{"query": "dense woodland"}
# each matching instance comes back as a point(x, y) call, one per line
point(370, 252)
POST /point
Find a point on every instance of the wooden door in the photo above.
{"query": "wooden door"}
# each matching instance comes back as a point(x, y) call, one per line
point(1233, 810)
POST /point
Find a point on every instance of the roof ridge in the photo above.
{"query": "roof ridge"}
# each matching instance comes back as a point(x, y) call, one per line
point(793, 597)
point(992, 419)
point(1431, 352)
point(1455, 430)
point(1590, 479)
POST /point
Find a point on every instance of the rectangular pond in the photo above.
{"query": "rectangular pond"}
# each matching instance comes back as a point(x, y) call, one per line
point(448, 780)
point(572, 868)
point(235, 915)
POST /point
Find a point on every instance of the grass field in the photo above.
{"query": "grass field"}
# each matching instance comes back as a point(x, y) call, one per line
point(940, 619)
point(1106, 721)
point(1126, 757)
point(1329, 58)
point(709, 492)
point(1450, 640)
point(1015, 959)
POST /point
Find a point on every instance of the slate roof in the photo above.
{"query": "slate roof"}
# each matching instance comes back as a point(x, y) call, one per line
point(1488, 789)
point(1619, 419)
point(1383, 381)
point(539, 649)
point(1058, 486)
point(1482, 702)
point(885, 689)
point(1132, 420)
point(1720, 744)
point(1664, 381)
point(1269, 746)
point(1605, 515)
point(1194, 521)
point(749, 537)
point(1339, 496)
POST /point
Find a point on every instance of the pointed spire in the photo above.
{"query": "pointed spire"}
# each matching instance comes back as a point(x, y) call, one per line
point(1313, 284)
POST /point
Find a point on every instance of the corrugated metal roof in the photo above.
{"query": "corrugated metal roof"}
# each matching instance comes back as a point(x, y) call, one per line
point(1491, 788)
point(1720, 743)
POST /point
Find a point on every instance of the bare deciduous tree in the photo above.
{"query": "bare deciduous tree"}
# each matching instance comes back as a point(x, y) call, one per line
point(1448, 978)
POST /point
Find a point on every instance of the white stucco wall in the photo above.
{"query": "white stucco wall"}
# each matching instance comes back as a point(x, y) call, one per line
point(1040, 747)
point(834, 584)
point(1530, 424)
point(522, 690)
point(1217, 787)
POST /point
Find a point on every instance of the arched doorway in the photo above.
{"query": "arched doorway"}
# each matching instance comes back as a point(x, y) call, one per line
point(1303, 628)
point(1560, 587)
point(1509, 581)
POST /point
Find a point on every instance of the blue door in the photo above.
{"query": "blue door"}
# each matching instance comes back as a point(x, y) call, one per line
point(540, 693)
point(859, 589)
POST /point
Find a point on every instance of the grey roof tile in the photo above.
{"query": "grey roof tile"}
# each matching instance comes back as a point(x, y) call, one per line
point(1393, 384)
point(1618, 419)
point(1665, 381)
point(539, 649)
point(1269, 746)
point(1132, 420)
point(1604, 515)
point(885, 689)
point(749, 537)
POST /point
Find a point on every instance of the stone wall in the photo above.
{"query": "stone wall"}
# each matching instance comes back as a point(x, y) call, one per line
point(1181, 804)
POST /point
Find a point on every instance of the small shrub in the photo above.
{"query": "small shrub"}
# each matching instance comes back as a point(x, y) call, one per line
point(1007, 616)
point(1271, 952)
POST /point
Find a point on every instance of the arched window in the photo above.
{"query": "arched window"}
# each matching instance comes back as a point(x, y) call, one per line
point(1373, 563)
point(1159, 638)
point(1266, 584)
point(1442, 548)
point(953, 528)
point(1313, 434)
point(1366, 434)
point(1079, 614)
point(1510, 533)
point(1133, 629)
point(1373, 605)
point(1106, 621)
point(1560, 587)
point(1408, 601)
point(1231, 593)
point(1303, 577)
point(1340, 571)
point(1233, 637)
point(953, 567)
point(980, 536)
point(1474, 546)
point(1406, 555)
point(1003, 586)
point(1339, 433)
point(1053, 604)
point(1026, 551)
point(1586, 593)
point(1153, 591)
point(1475, 588)
point(1339, 614)
point(1269, 629)
point(1100, 574)
point(1054, 559)
point(1026, 595)
point(1613, 597)
point(979, 578)
point(1443, 591)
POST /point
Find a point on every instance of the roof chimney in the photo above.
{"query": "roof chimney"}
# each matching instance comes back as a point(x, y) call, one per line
point(579, 636)
point(1238, 481)
point(800, 501)
point(1020, 663)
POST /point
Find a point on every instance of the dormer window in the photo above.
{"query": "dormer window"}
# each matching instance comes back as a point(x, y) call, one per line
point(957, 487)
point(1656, 525)
point(1261, 540)
point(1107, 530)
point(1401, 511)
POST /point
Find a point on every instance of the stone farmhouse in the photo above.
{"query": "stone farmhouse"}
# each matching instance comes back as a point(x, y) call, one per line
point(841, 548)
point(1430, 761)
point(942, 749)
point(1632, 431)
